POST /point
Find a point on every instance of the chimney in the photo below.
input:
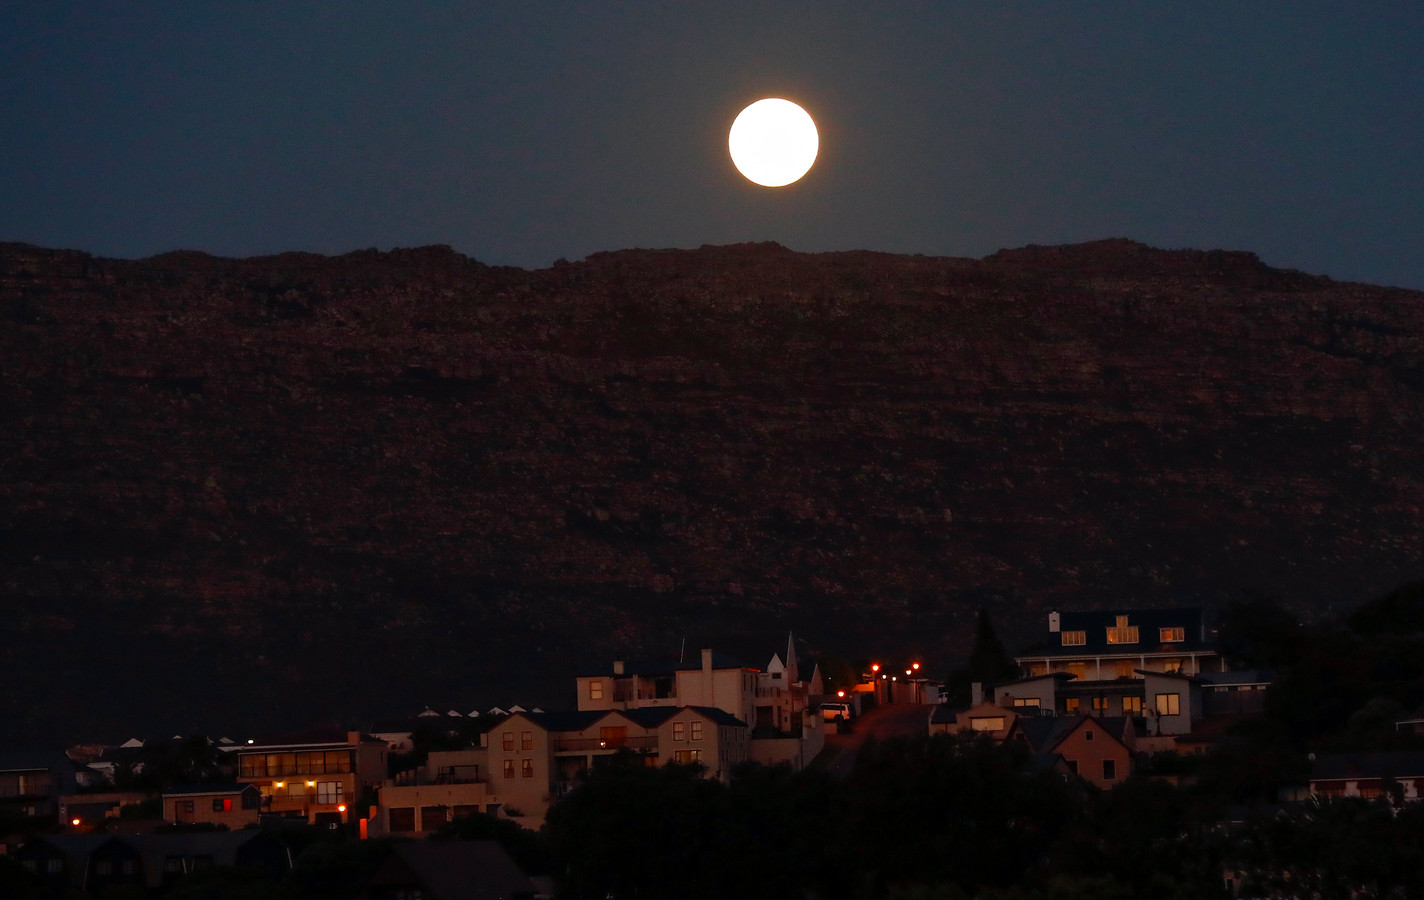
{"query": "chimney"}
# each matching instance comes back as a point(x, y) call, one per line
point(618, 667)
point(976, 693)
point(708, 686)
point(1055, 622)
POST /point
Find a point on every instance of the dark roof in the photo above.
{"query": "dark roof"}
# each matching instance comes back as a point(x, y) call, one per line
point(720, 716)
point(468, 870)
point(1045, 733)
point(944, 715)
point(1240, 676)
point(1406, 763)
point(1094, 626)
point(650, 716)
point(566, 720)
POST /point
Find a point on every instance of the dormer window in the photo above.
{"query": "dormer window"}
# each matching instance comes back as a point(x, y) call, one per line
point(1172, 635)
point(1122, 633)
point(1074, 638)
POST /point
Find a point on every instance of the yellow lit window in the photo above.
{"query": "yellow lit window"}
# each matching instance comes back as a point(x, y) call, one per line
point(1074, 638)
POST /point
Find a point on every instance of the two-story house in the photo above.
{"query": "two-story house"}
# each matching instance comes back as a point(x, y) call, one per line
point(318, 775)
point(31, 785)
point(1098, 663)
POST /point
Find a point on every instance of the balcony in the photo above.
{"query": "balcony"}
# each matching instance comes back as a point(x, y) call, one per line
point(587, 745)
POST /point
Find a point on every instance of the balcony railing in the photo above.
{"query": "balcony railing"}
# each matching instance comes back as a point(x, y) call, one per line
point(566, 745)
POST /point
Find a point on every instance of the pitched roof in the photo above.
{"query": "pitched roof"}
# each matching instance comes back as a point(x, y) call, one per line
point(467, 870)
point(1148, 622)
point(720, 716)
point(1045, 733)
point(566, 720)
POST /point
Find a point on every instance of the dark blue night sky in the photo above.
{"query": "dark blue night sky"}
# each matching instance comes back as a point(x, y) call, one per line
point(522, 132)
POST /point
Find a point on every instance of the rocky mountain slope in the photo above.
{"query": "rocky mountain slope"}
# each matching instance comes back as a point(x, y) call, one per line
point(243, 492)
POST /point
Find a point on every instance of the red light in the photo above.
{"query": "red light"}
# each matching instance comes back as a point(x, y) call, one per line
point(341, 808)
point(74, 822)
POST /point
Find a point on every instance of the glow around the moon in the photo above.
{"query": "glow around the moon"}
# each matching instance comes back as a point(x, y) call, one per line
point(773, 142)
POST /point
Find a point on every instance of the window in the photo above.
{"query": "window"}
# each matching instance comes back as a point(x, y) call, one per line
point(613, 735)
point(222, 804)
point(1122, 633)
point(29, 864)
point(677, 732)
point(986, 723)
point(173, 864)
point(697, 731)
point(526, 740)
point(1109, 770)
point(509, 768)
point(1021, 702)
point(508, 740)
point(595, 690)
point(1132, 706)
point(185, 807)
point(103, 867)
point(527, 767)
point(686, 757)
point(1171, 665)
point(1169, 704)
point(406, 894)
point(1074, 638)
point(1089, 735)
point(329, 792)
point(1078, 670)
point(1172, 635)
point(1100, 704)
point(1070, 704)
point(1124, 668)
point(127, 867)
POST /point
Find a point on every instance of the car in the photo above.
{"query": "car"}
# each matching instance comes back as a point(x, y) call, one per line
point(835, 711)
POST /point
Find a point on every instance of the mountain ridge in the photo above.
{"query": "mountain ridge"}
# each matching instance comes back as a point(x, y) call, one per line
point(310, 471)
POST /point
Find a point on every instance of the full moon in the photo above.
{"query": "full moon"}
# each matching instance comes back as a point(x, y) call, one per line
point(773, 142)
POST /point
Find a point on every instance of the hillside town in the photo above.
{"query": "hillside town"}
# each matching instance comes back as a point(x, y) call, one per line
point(1104, 698)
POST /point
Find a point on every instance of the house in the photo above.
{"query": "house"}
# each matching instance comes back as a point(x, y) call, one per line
point(715, 680)
point(452, 783)
point(454, 870)
point(535, 758)
point(229, 805)
point(776, 703)
point(989, 719)
point(1368, 775)
point(1099, 750)
point(1108, 654)
point(31, 785)
point(318, 776)
point(94, 807)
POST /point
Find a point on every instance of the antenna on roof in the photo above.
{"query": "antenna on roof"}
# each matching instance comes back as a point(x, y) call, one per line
point(682, 651)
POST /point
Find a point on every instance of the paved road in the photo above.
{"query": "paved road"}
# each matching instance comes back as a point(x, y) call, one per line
point(882, 722)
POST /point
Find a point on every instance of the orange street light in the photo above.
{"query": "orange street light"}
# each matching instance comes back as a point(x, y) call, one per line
point(915, 666)
point(74, 822)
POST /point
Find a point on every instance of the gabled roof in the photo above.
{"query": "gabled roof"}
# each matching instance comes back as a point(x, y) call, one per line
point(1045, 734)
point(566, 720)
point(720, 716)
point(1095, 625)
point(454, 870)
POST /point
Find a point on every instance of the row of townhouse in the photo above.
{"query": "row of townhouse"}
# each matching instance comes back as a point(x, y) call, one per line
point(712, 711)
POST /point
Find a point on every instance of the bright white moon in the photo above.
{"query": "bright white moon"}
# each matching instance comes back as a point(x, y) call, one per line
point(773, 142)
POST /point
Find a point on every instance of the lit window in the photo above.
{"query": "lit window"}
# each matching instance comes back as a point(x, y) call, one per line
point(1172, 635)
point(1122, 633)
point(697, 731)
point(509, 768)
point(526, 740)
point(1078, 670)
point(986, 723)
point(1132, 706)
point(1026, 701)
point(686, 757)
point(1169, 704)
point(677, 732)
point(329, 792)
point(1074, 638)
point(595, 690)
point(1100, 704)
point(1070, 704)
point(1171, 666)
point(508, 740)
point(527, 766)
